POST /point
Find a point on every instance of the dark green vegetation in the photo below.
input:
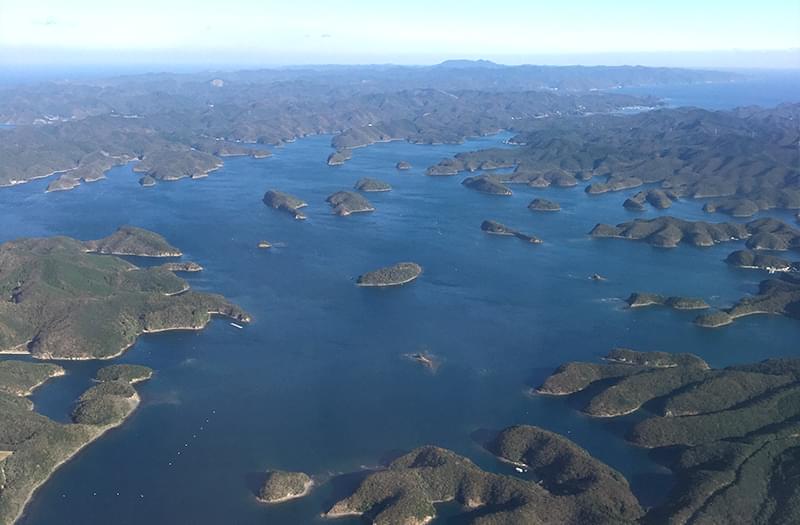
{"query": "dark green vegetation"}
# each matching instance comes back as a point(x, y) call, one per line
point(285, 202)
point(130, 240)
point(183, 125)
point(574, 489)
point(640, 299)
point(486, 184)
point(732, 434)
point(126, 373)
point(20, 378)
point(668, 232)
point(495, 228)
point(775, 296)
point(282, 486)
point(574, 377)
point(567, 470)
point(32, 446)
point(345, 203)
point(60, 302)
point(543, 205)
point(745, 159)
point(395, 275)
point(659, 199)
point(367, 184)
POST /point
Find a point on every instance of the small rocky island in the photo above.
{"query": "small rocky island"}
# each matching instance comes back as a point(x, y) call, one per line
point(33, 446)
point(280, 486)
point(285, 202)
point(543, 205)
point(345, 203)
point(403, 165)
point(130, 240)
point(486, 184)
point(147, 181)
point(395, 275)
point(372, 185)
point(426, 359)
point(641, 299)
point(495, 228)
point(50, 314)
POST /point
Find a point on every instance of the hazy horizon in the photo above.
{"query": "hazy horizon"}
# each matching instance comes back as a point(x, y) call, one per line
point(248, 33)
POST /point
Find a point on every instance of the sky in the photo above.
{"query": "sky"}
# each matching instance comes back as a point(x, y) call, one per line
point(744, 33)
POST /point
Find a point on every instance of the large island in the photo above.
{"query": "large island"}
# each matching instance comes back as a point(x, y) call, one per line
point(62, 302)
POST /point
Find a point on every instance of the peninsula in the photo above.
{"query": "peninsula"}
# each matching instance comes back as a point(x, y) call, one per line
point(575, 488)
point(34, 446)
point(62, 302)
point(668, 232)
point(486, 184)
point(642, 299)
point(732, 431)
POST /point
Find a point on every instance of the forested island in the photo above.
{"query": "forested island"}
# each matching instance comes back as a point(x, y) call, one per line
point(394, 275)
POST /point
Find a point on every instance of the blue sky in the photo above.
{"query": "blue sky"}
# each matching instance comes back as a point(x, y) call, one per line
point(409, 31)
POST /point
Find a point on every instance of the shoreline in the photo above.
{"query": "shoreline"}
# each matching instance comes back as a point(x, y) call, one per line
point(307, 487)
point(50, 357)
point(387, 285)
point(135, 401)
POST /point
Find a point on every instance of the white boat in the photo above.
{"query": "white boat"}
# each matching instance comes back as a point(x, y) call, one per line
point(520, 470)
point(237, 326)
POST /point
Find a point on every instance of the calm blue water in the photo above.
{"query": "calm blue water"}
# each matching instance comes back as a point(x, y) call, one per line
point(317, 382)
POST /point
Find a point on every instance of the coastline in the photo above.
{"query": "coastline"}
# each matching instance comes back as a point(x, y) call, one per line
point(307, 487)
point(49, 357)
point(387, 285)
point(135, 400)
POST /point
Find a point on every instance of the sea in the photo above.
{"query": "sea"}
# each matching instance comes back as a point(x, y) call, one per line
point(320, 381)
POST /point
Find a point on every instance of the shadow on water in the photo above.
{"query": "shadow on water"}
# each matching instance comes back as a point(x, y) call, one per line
point(342, 486)
point(484, 436)
point(255, 481)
